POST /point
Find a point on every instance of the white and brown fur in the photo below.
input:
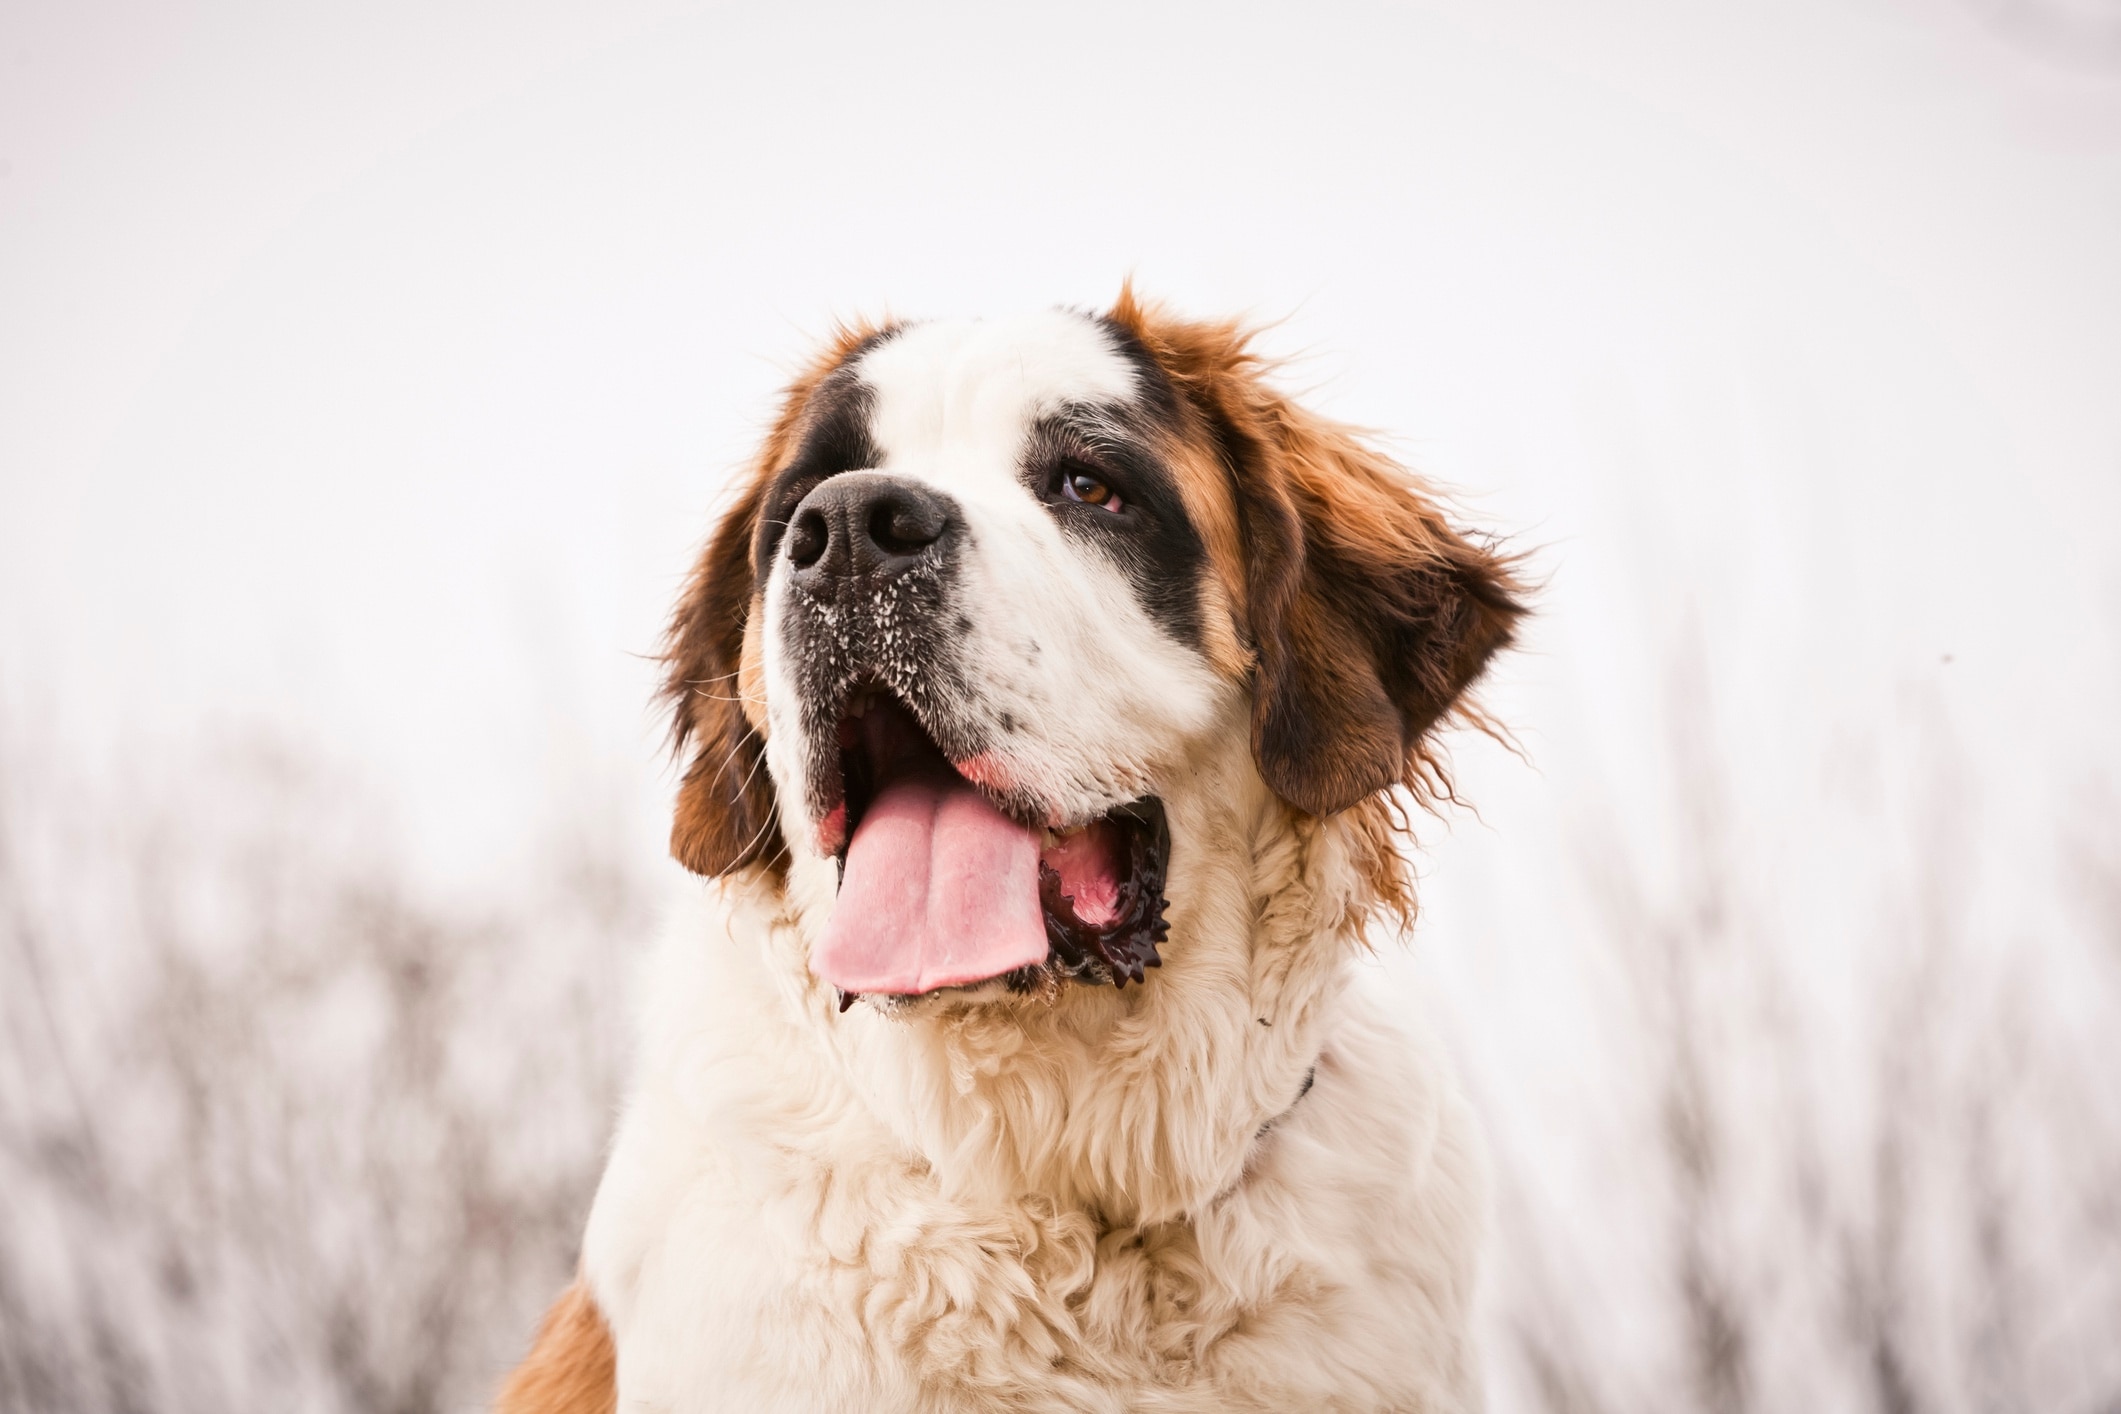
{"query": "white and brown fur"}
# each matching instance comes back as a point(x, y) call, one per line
point(1235, 1187)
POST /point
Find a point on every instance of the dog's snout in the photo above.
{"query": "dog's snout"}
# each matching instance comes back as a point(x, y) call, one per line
point(864, 525)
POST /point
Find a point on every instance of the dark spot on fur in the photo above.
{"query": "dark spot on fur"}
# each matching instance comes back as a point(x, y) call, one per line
point(1152, 538)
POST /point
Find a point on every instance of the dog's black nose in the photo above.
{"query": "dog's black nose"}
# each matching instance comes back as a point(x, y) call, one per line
point(865, 525)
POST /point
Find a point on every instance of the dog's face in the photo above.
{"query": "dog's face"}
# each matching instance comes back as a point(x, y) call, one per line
point(991, 585)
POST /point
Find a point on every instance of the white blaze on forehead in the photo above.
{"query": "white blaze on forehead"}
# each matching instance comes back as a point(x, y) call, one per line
point(952, 400)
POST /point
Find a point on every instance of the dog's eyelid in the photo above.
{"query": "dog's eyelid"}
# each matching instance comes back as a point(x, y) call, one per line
point(1089, 449)
point(1081, 464)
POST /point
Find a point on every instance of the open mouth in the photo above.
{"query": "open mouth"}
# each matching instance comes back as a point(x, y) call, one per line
point(940, 888)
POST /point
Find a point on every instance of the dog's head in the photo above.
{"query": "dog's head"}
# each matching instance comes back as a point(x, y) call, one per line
point(988, 590)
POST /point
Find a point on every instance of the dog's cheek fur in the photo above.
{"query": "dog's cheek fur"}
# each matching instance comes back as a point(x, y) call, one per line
point(1088, 698)
point(788, 748)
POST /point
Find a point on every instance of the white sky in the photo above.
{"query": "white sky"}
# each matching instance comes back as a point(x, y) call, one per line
point(370, 373)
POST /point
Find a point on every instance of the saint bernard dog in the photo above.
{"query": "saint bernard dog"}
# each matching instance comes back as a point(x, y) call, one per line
point(1050, 701)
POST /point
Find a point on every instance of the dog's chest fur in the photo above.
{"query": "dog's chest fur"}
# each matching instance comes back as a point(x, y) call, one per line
point(768, 1238)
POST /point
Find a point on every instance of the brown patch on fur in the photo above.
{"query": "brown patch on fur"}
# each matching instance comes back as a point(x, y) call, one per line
point(572, 1367)
point(1368, 615)
point(1204, 487)
point(725, 818)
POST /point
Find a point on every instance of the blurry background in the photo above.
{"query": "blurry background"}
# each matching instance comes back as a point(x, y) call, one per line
point(368, 376)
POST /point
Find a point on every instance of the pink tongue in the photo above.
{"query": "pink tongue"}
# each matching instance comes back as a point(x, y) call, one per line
point(940, 889)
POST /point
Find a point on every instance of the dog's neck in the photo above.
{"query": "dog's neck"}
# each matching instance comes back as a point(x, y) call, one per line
point(1138, 1106)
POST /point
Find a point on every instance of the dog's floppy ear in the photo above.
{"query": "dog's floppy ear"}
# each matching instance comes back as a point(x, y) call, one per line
point(1369, 615)
point(725, 810)
point(727, 813)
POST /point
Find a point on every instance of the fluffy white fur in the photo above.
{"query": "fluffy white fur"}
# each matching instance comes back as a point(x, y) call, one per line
point(1031, 1208)
point(1088, 1199)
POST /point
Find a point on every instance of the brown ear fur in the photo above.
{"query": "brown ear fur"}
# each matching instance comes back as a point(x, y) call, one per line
point(725, 808)
point(572, 1367)
point(1369, 615)
point(726, 817)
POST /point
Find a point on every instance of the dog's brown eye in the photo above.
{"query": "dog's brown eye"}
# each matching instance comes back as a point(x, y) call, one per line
point(1085, 487)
